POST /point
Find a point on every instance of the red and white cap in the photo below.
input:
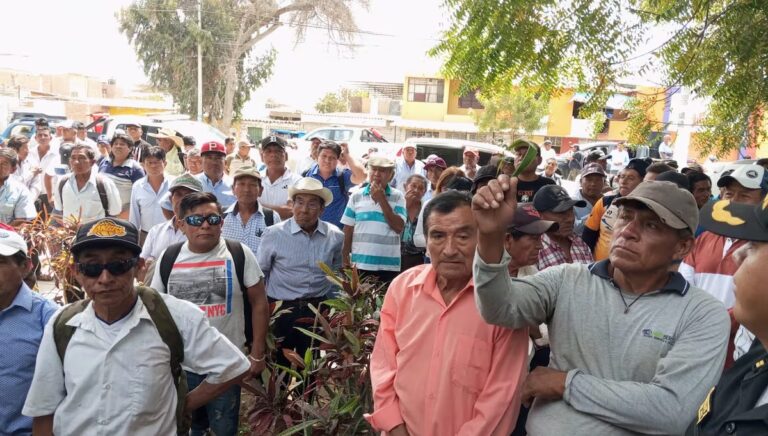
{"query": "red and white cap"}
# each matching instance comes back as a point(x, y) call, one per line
point(213, 147)
point(11, 243)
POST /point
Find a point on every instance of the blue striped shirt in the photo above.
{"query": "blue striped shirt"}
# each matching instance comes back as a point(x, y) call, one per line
point(335, 210)
point(22, 324)
point(375, 246)
point(289, 258)
point(249, 234)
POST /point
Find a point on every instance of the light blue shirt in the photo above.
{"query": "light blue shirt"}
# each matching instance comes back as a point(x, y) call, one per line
point(145, 210)
point(22, 325)
point(289, 258)
point(221, 189)
point(580, 213)
point(249, 234)
point(403, 171)
point(15, 202)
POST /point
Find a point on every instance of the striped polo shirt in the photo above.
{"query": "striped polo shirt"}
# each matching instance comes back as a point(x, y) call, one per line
point(375, 246)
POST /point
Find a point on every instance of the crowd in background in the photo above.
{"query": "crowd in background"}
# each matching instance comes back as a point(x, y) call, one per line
point(517, 299)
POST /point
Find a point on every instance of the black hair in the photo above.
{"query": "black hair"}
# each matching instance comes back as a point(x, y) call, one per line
point(120, 137)
point(329, 145)
point(444, 203)
point(11, 155)
point(88, 151)
point(459, 183)
point(194, 199)
point(695, 177)
point(421, 178)
point(154, 151)
point(17, 141)
point(678, 179)
point(658, 168)
point(40, 122)
point(226, 141)
point(19, 258)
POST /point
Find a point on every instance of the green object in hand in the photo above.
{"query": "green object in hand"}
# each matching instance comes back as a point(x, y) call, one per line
point(530, 155)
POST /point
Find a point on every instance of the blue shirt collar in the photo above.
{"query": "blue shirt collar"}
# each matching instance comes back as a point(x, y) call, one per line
point(676, 282)
point(24, 298)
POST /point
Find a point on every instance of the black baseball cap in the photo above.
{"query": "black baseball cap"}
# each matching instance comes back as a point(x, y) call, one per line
point(554, 198)
point(188, 140)
point(273, 140)
point(736, 220)
point(528, 220)
point(639, 165)
point(484, 174)
point(107, 232)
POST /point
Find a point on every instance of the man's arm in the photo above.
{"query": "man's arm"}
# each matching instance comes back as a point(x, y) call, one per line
point(206, 392)
point(346, 249)
point(386, 414)
point(285, 211)
point(667, 403)
point(358, 172)
point(134, 213)
point(499, 401)
point(257, 296)
point(42, 425)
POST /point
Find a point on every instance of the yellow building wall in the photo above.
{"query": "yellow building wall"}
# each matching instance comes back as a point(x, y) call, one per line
point(657, 112)
point(415, 110)
point(560, 114)
point(617, 131)
point(453, 100)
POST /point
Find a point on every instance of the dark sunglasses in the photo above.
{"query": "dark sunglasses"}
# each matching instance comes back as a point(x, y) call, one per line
point(197, 220)
point(116, 268)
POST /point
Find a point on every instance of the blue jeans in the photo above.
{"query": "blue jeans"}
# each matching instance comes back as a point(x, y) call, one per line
point(220, 415)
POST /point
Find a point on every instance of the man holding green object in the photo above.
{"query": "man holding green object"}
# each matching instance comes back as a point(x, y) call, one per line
point(528, 181)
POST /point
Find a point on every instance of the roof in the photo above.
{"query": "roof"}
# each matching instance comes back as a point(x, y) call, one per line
point(436, 125)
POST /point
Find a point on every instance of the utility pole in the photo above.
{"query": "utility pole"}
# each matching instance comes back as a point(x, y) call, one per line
point(199, 64)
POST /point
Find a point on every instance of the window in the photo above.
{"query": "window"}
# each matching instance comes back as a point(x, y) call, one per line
point(456, 135)
point(421, 134)
point(470, 101)
point(425, 90)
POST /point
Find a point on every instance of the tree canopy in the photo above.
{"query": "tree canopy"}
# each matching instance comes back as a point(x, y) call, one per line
point(716, 48)
point(331, 102)
point(514, 112)
point(165, 34)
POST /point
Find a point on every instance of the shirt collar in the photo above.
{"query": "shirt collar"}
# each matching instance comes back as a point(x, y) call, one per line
point(676, 282)
point(428, 277)
point(367, 189)
point(322, 227)
point(234, 210)
point(87, 318)
point(23, 298)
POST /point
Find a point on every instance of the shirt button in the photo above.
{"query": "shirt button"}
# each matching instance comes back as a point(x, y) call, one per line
point(730, 428)
point(431, 396)
point(103, 422)
point(108, 387)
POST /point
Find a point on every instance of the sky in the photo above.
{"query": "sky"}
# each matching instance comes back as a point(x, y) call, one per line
point(81, 36)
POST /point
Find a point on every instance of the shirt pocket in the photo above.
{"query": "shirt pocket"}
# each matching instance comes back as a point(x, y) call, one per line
point(7, 208)
point(471, 363)
point(148, 386)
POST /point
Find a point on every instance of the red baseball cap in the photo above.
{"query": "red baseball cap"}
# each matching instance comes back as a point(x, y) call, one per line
point(213, 147)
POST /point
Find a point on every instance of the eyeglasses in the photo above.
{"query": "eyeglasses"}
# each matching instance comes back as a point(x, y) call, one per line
point(311, 205)
point(197, 220)
point(116, 268)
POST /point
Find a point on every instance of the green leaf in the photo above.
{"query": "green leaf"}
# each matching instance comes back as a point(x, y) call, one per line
point(300, 427)
point(314, 335)
point(353, 342)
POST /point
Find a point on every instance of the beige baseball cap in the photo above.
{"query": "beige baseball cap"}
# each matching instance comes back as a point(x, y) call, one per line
point(675, 207)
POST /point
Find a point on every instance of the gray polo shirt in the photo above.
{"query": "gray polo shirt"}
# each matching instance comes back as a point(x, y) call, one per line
point(645, 371)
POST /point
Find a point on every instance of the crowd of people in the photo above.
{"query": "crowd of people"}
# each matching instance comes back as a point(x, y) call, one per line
point(515, 304)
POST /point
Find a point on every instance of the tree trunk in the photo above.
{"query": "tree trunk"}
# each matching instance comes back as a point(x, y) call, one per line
point(230, 86)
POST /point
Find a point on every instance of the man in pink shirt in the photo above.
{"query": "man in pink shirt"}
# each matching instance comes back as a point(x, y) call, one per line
point(437, 368)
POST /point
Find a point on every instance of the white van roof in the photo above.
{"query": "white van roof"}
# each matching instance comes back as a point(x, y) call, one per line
point(458, 144)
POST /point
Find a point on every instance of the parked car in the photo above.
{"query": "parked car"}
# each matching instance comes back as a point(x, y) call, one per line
point(360, 139)
point(23, 127)
point(452, 150)
point(202, 132)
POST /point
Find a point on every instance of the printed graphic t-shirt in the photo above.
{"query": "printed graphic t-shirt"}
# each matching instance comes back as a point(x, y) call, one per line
point(526, 190)
point(210, 281)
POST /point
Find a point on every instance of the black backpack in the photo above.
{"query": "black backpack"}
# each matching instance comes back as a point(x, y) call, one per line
point(99, 187)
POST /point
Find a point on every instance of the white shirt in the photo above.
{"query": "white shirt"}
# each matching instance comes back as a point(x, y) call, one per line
point(546, 154)
point(46, 164)
point(276, 194)
point(209, 281)
point(619, 159)
point(159, 238)
point(403, 171)
point(124, 387)
point(86, 203)
point(665, 151)
point(145, 211)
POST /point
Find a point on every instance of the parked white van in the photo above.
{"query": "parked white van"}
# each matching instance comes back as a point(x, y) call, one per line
point(452, 150)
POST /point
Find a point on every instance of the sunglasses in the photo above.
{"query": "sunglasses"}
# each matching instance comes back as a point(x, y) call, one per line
point(116, 268)
point(197, 220)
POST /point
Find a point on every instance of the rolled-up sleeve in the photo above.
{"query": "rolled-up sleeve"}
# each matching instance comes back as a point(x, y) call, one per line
point(386, 406)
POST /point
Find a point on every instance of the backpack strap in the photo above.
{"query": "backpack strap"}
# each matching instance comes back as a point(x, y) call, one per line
point(102, 194)
point(238, 258)
point(269, 216)
point(171, 336)
point(62, 333)
point(62, 182)
point(167, 261)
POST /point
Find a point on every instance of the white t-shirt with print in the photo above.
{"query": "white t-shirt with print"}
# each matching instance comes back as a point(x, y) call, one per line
point(209, 280)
